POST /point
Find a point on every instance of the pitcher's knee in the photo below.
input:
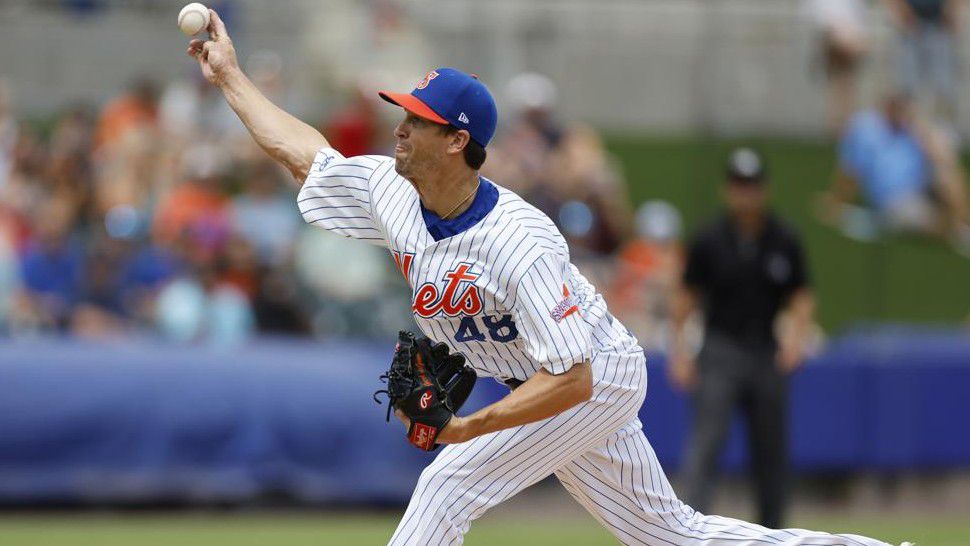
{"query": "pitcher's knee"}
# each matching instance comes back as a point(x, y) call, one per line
point(441, 504)
point(441, 480)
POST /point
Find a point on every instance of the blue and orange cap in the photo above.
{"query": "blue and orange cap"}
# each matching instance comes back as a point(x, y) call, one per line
point(451, 97)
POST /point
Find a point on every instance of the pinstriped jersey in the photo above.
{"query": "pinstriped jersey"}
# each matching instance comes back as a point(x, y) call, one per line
point(501, 290)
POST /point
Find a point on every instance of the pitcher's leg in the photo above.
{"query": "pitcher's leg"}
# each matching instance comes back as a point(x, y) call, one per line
point(625, 491)
point(622, 485)
point(467, 479)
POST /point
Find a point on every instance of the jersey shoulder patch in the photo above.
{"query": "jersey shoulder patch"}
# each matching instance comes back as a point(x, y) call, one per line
point(567, 306)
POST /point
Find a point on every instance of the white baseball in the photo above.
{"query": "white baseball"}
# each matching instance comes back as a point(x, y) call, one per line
point(193, 19)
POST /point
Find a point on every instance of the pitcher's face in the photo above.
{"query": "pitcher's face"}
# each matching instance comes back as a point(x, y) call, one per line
point(421, 146)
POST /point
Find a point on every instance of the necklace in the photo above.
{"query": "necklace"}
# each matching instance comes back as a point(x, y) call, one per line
point(460, 203)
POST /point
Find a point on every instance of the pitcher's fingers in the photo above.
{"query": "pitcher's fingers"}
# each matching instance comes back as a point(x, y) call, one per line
point(195, 46)
point(203, 54)
point(217, 29)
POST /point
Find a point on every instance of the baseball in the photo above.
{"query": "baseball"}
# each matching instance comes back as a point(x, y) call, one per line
point(193, 19)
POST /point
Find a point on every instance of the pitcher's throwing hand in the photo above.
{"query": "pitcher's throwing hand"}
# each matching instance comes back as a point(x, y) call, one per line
point(217, 56)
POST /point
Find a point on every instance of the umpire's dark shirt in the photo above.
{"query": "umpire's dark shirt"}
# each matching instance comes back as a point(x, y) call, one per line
point(743, 284)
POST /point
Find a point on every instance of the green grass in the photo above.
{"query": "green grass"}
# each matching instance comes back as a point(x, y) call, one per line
point(261, 529)
point(901, 280)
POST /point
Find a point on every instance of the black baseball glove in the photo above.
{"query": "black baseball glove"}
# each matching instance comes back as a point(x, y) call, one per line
point(428, 385)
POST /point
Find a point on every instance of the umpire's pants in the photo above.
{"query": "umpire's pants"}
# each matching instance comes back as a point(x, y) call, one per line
point(731, 376)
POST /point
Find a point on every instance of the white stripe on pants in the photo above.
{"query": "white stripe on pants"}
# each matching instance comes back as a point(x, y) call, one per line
point(598, 451)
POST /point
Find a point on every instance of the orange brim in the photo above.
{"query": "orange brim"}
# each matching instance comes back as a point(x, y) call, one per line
point(414, 105)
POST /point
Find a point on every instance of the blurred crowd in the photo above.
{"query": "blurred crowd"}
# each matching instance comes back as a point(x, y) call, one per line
point(898, 168)
point(155, 215)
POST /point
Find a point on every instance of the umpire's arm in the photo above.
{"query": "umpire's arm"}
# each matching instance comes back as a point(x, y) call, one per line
point(285, 138)
point(542, 396)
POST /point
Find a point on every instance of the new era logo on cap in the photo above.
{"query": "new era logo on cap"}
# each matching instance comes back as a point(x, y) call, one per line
point(451, 97)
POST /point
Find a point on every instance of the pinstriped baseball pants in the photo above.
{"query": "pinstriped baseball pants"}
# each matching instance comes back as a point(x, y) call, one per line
point(599, 453)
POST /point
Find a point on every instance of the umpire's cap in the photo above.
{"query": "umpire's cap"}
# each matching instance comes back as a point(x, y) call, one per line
point(451, 97)
point(746, 166)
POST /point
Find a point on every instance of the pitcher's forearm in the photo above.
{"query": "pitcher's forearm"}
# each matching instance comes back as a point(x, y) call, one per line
point(542, 396)
point(285, 138)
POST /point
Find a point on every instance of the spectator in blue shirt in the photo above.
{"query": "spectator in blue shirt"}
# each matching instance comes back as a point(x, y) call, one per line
point(907, 171)
point(52, 267)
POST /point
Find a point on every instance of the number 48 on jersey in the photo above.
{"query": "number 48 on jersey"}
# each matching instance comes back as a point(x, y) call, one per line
point(499, 328)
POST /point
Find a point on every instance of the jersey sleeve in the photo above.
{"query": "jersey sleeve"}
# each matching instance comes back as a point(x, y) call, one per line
point(548, 315)
point(336, 195)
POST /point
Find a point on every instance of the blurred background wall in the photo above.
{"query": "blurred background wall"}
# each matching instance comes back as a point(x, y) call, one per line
point(731, 66)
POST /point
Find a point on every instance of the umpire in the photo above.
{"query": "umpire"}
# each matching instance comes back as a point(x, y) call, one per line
point(742, 271)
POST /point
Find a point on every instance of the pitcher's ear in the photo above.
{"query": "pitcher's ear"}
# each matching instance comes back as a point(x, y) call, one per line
point(459, 140)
